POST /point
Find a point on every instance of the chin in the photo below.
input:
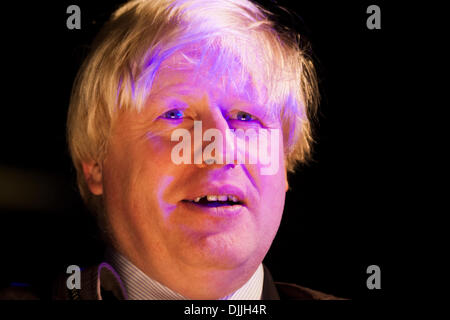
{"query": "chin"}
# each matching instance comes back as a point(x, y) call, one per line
point(220, 251)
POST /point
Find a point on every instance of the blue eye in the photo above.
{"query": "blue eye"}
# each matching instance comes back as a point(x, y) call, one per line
point(174, 114)
point(244, 116)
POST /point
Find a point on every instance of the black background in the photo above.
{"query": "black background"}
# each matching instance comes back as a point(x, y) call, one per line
point(340, 207)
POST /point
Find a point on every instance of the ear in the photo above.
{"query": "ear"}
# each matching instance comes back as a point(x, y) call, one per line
point(93, 176)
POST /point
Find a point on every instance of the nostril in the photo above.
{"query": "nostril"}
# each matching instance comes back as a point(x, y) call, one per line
point(231, 165)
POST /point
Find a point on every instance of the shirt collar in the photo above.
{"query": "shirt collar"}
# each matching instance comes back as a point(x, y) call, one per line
point(139, 286)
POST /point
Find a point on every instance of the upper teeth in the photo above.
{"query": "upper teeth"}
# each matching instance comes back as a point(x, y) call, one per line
point(221, 197)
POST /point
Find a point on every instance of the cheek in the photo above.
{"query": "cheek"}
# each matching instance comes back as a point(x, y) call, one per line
point(134, 170)
point(271, 209)
point(135, 177)
point(273, 193)
point(273, 186)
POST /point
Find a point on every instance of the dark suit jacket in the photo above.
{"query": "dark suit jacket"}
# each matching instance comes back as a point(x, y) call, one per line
point(101, 282)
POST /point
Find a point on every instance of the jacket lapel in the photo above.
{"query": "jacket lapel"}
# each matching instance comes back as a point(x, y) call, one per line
point(270, 291)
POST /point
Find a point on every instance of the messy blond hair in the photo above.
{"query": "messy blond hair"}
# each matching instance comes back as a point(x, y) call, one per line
point(142, 34)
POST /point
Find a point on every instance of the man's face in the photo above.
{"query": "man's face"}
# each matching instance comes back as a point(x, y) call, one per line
point(150, 200)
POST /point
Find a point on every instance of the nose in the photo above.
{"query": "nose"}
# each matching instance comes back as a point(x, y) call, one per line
point(217, 146)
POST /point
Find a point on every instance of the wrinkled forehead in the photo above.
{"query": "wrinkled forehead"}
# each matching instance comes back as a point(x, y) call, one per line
point(193, 72)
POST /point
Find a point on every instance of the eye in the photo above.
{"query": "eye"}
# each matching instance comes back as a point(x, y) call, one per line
point(244, 116)
point(173, 114)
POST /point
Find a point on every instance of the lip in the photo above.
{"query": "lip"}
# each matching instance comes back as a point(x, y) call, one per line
point(215, 189)
point(222, 211)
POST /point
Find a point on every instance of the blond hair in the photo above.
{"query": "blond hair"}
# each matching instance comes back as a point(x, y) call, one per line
point(142, 34)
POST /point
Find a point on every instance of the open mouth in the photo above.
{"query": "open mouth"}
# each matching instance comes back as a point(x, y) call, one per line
point(216, 201)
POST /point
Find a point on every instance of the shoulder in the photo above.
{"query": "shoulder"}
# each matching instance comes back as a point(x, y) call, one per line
point(97, 282)
point(275, 290)
point(290, 291)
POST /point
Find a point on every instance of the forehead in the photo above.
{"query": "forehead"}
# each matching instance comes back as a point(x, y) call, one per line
point(185, 74)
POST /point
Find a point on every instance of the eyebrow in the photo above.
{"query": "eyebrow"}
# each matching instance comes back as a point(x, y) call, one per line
point(175, 102)
point(177, 86)
point(176, 93)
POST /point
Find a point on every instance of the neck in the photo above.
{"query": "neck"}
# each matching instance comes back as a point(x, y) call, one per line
point(203, 284)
